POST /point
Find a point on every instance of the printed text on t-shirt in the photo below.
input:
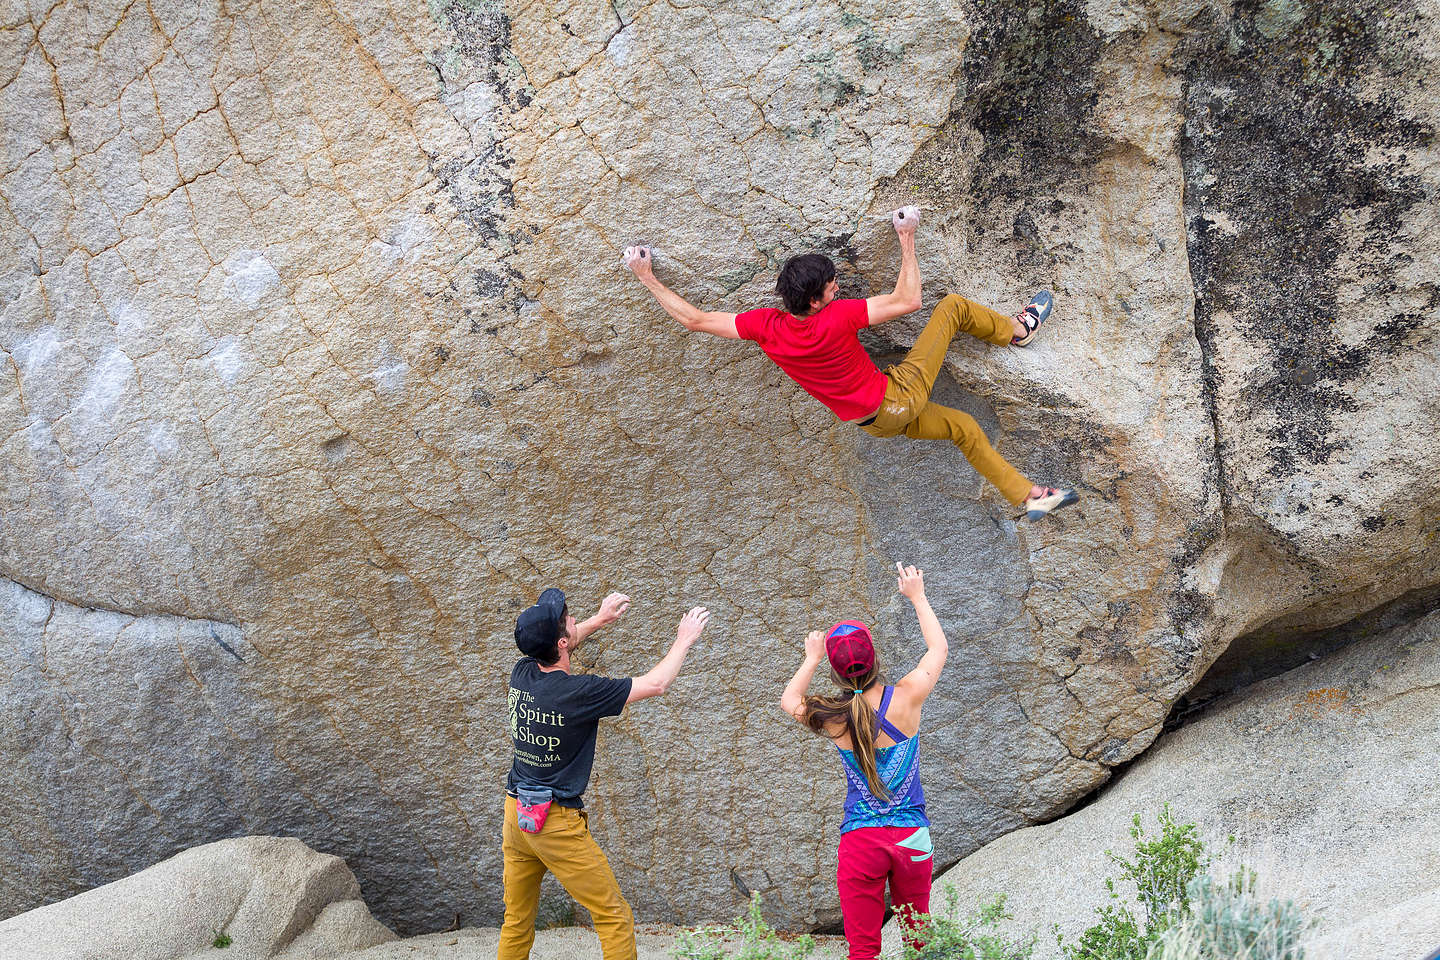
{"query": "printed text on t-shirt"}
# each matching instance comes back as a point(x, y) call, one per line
point(524, 719)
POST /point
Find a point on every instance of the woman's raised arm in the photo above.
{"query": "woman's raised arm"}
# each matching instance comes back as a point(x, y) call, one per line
point(917, 684)
point(792, 701)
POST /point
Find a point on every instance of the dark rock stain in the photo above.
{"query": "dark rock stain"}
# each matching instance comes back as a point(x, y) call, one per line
point(1187, 607)
point(1277, 131)
point(1029, 75)
point(841, 249)
point(482, 32)
point(481, 187)
point(1022, 126)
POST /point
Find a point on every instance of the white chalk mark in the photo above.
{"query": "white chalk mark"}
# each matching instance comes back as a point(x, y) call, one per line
point(41, 438)
point(36, 350)
point(163, 441)
point(129, 319)
point(480, 102)
point(475, 107)
point(226, 359)
point(249, 276)
point(405, 240)
point(621, 46)
point(29, 607)
point(390, 376)
point(107, 382)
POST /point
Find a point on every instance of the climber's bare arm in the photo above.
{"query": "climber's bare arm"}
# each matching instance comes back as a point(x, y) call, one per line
point(906, 296)
point(638, 259)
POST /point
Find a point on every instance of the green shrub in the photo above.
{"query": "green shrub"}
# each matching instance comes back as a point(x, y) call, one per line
point(948, 936)
point(1228, 922)
point(1160, 873)
point(757, 940)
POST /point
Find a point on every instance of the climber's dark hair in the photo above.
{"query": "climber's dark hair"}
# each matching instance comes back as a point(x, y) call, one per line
point(803, 279)
point(851, 713)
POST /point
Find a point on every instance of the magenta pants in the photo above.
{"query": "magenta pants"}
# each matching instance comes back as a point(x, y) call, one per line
point(869, 858)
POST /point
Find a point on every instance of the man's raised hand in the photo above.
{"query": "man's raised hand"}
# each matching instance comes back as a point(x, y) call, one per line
point(906, 219)
point(639, 260)
point(692, 625)
point(613, 607)
point(910, 582)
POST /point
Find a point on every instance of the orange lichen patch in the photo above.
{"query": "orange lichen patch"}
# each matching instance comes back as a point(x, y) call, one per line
point(1326, 700)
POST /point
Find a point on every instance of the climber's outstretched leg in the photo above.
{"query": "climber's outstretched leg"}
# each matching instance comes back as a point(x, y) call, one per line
point(955, 314)
point(937, 422)
point(907, 407)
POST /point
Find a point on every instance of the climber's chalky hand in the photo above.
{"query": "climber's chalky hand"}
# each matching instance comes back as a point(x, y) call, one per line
point(638, 259)
point(906, 219)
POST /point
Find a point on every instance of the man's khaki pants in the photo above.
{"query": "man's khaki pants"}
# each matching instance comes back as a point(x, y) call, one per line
point(565, 847)
point(907, 407)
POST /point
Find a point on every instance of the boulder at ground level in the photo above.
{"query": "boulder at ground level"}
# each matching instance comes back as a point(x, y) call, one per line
point(272, 896)
point(1325, 777)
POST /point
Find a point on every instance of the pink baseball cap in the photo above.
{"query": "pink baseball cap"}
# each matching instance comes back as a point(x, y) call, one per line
point(850, 648)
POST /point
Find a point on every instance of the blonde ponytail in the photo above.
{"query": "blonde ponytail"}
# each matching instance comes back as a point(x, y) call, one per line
point(862, 724)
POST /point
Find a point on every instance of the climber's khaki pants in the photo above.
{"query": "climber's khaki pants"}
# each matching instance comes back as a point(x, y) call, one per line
point(564, 847)
point(907, 407)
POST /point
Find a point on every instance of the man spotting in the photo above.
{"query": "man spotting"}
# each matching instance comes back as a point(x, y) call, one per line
point(815, 343)
point(553, 717)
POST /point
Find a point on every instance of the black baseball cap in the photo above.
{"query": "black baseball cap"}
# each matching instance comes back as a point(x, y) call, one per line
point(538, 627)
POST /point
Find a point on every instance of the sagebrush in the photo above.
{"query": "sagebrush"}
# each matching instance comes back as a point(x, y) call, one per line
point(1227, 921)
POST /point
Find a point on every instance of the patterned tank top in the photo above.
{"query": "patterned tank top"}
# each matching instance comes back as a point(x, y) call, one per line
point(898, 767)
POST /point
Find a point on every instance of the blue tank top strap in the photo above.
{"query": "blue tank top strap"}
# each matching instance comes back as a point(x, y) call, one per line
point(890, 728)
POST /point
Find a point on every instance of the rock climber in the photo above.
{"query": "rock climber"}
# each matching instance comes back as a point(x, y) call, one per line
point(814, 341)
point(553, 718)
point(885, 835)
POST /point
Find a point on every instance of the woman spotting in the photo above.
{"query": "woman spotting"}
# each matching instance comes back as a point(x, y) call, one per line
point(885, 835)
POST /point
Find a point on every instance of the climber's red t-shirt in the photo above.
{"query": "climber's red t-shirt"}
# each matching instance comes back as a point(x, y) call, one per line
point(822, 354)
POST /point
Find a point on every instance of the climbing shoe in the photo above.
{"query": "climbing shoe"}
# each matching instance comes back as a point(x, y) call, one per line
point(1035, 313)
point(1048, 502)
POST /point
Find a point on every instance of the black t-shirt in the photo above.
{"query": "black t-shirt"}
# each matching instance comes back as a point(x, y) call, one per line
point(553, 716)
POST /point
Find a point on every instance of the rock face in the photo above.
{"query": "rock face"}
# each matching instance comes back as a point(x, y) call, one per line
point(320, 364)
point(273, 897)
point(1323, 776)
